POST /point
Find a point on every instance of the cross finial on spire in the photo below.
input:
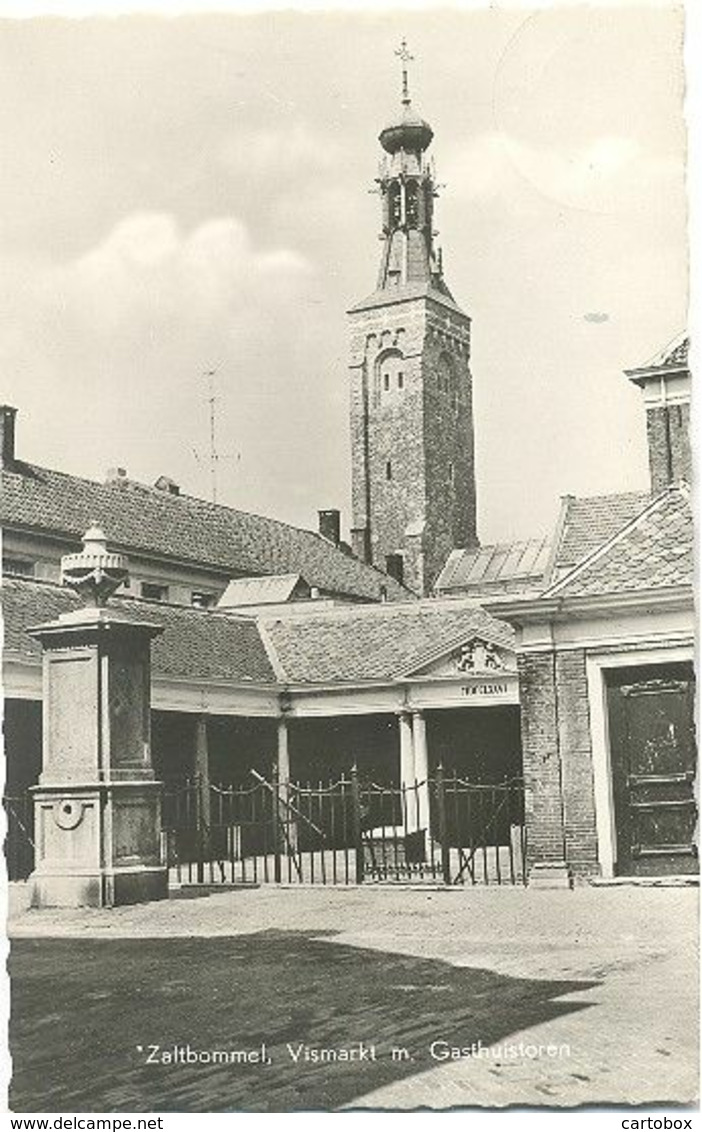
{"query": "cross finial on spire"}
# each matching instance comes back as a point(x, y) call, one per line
point(402, 53)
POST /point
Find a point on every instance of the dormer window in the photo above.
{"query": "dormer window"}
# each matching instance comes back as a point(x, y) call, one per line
point(202, 599)
point(154, 592)
point(21, 567)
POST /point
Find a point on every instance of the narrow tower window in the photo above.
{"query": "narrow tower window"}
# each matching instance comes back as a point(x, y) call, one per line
point(386, 381)
point(388, 470)
point(451, 474)
point(400, 380)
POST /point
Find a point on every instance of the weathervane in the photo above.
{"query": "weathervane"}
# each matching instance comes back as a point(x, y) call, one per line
point(402, 53)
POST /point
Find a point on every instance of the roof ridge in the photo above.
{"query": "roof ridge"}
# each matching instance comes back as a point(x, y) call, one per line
point(183, 497)
point(610, 495)
point(15, 582)
point(239, 541)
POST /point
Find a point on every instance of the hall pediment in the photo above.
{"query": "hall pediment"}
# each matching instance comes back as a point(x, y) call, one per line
point(474, 657)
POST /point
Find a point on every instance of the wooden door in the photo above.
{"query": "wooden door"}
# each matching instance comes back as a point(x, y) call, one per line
point(653, 751)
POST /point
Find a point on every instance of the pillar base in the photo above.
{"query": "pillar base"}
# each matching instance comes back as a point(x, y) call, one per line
point(549, 874)
point(98, 890)
point(98, 844)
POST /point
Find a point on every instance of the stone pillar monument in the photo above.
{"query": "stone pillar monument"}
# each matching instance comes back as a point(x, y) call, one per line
point(97, 806)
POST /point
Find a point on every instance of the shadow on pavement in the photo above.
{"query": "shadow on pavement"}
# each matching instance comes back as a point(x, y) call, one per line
point(80, 1009)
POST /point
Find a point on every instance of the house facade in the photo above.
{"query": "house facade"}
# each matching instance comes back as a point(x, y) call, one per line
point(606, 668)
point(564, 661)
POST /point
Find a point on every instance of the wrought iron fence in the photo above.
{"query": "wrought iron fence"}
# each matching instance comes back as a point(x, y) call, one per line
point(347, 831)
point(350, 830)
point(19, 835)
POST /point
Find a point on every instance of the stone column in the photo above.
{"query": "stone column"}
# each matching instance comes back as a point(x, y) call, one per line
point(421, 768)
point(97, 806)
point(202, 769)
point(283, 771)
point(283, 753)
point(407, 774)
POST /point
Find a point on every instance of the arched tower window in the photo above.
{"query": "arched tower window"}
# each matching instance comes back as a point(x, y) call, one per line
point(445, 374)
point(412, 199)
point(391, 375)
point(394, 205)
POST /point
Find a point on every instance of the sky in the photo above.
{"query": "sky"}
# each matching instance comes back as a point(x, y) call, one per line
point(188, 194)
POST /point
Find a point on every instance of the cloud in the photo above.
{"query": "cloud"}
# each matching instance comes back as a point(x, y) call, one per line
point(124, 333)
point(609, 174)
point(290, 150)
point(147, 269)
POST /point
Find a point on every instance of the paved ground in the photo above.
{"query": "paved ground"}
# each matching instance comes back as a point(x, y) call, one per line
point(602, 980)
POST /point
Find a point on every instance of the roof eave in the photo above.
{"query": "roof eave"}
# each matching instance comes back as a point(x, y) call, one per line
point(562, 607)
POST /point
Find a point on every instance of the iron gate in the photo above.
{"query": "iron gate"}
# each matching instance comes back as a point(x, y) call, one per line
point(347, 831)
point(19, 835)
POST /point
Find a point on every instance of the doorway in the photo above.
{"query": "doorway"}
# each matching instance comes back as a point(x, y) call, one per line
point(653, 761)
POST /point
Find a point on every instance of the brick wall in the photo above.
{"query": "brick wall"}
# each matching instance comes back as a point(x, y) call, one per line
point(576, 763)
point(669, 454)
point(541, 758)
point(557, 759)
point(423, 431)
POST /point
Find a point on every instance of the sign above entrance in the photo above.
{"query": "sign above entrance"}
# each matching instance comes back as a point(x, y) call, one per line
point(485, 689)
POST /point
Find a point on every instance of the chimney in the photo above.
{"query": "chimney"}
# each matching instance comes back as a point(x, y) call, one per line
point(665, 383)
point(166, 484)
point(330, 525)
point(7, 436)
point(360, 543)
point(114, 474)
point(395, 566)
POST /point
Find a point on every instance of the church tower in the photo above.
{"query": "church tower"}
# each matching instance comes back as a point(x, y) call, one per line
point(411, 386)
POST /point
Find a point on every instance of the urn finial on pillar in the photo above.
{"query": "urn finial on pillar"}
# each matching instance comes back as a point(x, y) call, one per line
point(94, 572)
point(97, 805)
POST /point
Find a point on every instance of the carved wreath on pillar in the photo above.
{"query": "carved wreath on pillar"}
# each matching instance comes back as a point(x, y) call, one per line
point(68, 813)
point(478, 656)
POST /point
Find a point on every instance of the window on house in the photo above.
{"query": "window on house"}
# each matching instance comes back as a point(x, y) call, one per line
point(21, 566)
point(154, 592)
point(200, 599)
point(388, 470)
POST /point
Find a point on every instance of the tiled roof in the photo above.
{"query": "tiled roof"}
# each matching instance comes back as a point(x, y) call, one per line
point(375, 642)
point(342, 645)
point(498, 567)
point(672, 356)
point(195, 644)
point(654, 551)
point(143, 519)
point(593, 520)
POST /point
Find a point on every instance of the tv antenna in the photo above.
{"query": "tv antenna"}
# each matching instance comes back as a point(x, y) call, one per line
point(215, 456)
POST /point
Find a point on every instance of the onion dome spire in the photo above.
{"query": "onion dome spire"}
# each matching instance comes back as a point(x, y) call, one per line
point(408, 131)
